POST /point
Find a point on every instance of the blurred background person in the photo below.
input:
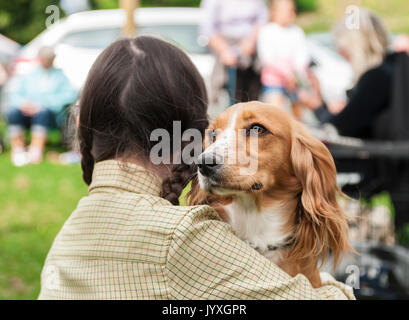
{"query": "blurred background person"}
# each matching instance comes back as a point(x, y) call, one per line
point(377, 107)
point(366, 49)
point(37, 102)
point(283, 53)
point(73, 155)
point(232, 29)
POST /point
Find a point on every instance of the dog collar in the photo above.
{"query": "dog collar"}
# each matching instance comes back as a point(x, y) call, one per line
point(273, 247)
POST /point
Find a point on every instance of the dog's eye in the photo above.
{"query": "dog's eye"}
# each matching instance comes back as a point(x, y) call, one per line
point(256, 130)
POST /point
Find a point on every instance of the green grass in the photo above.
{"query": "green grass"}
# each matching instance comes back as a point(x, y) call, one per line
point(35, 201)
point(394, 12)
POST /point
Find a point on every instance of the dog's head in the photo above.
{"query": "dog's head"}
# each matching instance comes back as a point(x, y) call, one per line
point(259, 151)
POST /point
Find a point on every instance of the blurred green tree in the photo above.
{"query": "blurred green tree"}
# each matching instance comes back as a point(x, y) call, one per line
point(306, 5)
point(22, 20)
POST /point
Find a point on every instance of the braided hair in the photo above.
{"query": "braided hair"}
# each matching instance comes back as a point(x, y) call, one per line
point(173, 186)
point(134, 87)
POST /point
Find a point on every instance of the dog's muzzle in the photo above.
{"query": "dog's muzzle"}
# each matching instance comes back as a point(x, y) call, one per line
point(210, 164)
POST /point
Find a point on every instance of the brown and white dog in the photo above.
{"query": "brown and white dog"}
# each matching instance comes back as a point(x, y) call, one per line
point(287, 208)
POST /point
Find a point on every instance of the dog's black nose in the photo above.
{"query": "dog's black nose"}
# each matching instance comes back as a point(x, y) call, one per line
point(209, 164)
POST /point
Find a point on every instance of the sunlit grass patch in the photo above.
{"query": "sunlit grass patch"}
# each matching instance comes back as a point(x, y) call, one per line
point(35, 201)
point(395, 13)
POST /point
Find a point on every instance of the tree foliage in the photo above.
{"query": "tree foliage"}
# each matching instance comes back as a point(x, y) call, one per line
point(22, 20)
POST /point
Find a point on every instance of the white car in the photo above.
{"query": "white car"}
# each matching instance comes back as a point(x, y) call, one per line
point(333, 71)
point(81, 37)
point(8, 49)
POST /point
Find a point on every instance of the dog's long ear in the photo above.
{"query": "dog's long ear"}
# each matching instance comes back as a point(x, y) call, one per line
point(322, 227)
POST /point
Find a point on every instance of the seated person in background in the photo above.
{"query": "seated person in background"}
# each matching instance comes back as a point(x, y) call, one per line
point(370, 110)
point(73, 155)
point(38, 99)
point(283, 54)
point(366, 49)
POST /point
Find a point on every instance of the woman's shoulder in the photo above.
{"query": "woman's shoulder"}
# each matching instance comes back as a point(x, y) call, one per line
point(387, 66)
point(189, 219)
point(382, 73)
point(195, 213)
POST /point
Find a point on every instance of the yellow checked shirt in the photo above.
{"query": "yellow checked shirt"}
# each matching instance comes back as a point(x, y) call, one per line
point(125, 242)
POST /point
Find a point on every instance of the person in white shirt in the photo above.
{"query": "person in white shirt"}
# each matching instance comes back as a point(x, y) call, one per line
point(283, 53)
point(231, 27)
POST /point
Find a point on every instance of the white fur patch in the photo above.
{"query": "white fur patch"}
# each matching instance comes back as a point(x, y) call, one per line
point(225, 139)
point(260, 229)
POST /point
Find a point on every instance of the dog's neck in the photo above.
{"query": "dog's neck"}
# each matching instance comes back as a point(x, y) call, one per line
point(266, 229)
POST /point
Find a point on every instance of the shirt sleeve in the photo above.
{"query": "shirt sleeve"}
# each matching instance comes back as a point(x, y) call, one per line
point(209, 24)
point(207, 261)
point(323, 114)
point(363, 105)
point(263, 13)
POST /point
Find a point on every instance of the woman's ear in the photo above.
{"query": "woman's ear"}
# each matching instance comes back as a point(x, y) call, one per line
point(323, 227)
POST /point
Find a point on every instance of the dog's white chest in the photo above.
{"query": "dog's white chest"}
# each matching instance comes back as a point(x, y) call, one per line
point(260, 229)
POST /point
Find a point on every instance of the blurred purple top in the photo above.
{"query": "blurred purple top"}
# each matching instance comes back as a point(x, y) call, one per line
point(233, 19)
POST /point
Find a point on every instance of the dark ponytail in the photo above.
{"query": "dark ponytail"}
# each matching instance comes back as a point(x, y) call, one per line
point(87, 161)
point(136, 86)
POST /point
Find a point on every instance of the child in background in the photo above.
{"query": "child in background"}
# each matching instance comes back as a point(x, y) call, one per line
point(283, 53)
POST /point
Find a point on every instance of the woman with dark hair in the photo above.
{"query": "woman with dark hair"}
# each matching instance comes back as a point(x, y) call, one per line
point(127, 239)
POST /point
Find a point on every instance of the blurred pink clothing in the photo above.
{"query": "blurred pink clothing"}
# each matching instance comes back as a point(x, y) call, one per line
point(283, 54)
point(277, 75)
